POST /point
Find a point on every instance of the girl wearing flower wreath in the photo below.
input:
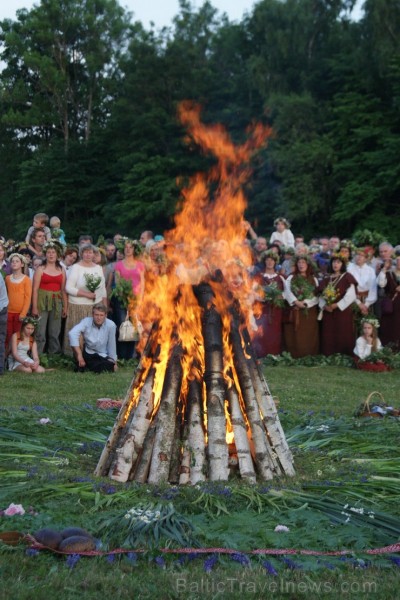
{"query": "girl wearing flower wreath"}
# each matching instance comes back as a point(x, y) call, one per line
point(19, 290)
point(301, 332)
point(85, 287)
point(269, 291)
point(338, 292)
point(24, 353)
point(282, 235)
point(49, 298)
point(368, 342)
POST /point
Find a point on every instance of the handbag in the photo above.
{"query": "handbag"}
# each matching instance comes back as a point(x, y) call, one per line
point(127, 331)
point(387, 305)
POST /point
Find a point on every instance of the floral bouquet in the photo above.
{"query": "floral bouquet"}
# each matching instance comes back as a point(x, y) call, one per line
point(124, 294)
point(92, 282)
point(271, 293)
point(301, 288)
point(330, 294)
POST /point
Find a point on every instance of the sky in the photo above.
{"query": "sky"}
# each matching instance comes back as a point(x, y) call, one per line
point(161, 12)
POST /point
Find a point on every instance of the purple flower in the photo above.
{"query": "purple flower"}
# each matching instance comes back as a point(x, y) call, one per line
point(290, 563)
point(110, 558)
point(160, 561)
point(72, 559)
point(241, 559)
point(210, 563)
point(395, 560)
point(131, 557)
point(269, 568)
point(31, 552)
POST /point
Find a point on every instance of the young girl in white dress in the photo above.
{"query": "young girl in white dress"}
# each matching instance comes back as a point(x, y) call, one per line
point(368, 342)
point(24, 356)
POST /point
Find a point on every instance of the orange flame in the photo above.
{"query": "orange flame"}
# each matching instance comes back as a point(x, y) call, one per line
point(208, 236)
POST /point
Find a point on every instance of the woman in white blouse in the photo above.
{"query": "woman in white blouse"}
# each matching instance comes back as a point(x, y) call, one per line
point(80, 299)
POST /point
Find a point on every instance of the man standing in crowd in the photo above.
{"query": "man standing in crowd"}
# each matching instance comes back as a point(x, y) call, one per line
point(38, 239)
point(145, 236)
point(84, 239)
point(99, 352)
point(3, 321)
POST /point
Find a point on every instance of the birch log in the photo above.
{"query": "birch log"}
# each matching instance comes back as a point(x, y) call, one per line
point(130, 445)
point(166, 419)
point(218, 454)
point(246, 467)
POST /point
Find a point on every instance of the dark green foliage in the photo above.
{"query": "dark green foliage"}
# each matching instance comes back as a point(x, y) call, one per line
point(88, 104)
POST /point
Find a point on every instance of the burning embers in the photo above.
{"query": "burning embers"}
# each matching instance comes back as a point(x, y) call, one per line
point(199, 407)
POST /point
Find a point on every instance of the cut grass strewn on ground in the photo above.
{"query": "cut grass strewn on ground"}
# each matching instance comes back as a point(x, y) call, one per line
point(334, 502)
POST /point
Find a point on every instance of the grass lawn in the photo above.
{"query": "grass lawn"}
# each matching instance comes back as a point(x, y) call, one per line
point(345, 495)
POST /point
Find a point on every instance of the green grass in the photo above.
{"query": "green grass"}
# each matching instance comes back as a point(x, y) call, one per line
point(340, 461)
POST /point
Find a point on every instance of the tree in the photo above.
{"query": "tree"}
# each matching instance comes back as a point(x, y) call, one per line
point(61, 58)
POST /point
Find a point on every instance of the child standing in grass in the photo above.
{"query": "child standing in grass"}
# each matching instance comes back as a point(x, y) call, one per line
point(368, 342)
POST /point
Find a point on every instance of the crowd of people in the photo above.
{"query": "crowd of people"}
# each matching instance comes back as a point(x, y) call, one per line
point(321, 297)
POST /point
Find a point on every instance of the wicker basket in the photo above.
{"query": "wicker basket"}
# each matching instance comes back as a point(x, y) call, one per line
point(365, 410)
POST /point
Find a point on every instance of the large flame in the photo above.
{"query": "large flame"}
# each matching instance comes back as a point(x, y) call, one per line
point(208, 236)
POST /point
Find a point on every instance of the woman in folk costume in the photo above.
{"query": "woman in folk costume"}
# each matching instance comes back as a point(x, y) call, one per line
point(269, 290)
point(389, 281)
point(338, 292)
point(367, 290)
point(301, 332)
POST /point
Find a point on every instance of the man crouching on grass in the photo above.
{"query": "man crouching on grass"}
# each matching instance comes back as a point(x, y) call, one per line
point(99, 348)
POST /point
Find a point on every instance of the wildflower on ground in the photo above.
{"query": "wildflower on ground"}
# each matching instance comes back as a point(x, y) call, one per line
point(241, 558)
point(72, 559)
point(160, 561)
point(44, 421)
point(269, 568)
point(210, 563)
point(14, 509)
point(281, 529)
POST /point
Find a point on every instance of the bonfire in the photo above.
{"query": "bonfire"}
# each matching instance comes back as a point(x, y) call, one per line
point(199, 406)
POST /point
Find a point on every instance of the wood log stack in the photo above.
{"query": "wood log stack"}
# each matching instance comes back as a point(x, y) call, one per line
point(213, 422)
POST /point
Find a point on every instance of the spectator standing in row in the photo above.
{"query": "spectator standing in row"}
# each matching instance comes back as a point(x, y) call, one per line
point(338, 292)
point(301, 331)
point(80, 298)
point(389, 283)
point(37, 241)
point(366, 279)
point(3, 322)
point(49, 299)
point(131, 269)
point(269, 293)
point(5, 267)
point(19, 290)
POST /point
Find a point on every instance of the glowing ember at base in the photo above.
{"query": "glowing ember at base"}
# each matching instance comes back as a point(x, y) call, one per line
point(199, 407)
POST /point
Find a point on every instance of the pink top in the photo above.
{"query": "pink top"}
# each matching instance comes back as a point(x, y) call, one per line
point(131, 274)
